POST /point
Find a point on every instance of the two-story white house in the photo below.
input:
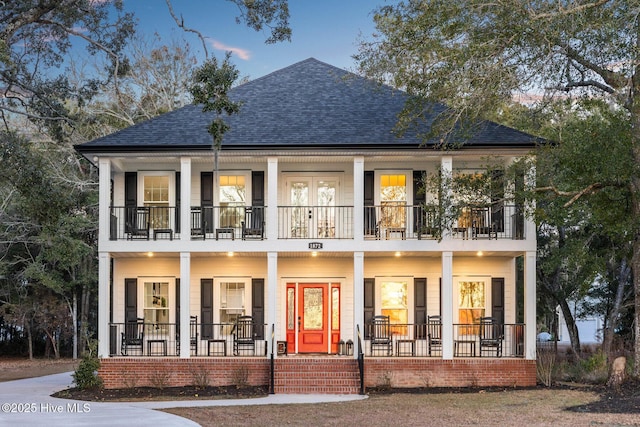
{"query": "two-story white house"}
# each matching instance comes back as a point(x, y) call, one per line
point(306, 240)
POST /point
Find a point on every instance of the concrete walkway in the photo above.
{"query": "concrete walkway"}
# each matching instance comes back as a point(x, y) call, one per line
point(28, 403)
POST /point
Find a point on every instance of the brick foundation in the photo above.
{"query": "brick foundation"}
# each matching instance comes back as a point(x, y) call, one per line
point(423, 372)
point(331, 375)
point(125, 372)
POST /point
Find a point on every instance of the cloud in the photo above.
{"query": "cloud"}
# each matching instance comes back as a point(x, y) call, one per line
point(242, 53)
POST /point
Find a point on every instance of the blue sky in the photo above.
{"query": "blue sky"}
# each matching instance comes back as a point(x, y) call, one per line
point(327, 30)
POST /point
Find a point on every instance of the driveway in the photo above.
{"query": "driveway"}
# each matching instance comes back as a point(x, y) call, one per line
point(28, 402)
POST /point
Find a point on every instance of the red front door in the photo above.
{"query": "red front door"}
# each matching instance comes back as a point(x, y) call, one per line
point(313, 331)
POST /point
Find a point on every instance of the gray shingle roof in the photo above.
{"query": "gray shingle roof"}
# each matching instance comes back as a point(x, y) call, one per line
point(308, 104)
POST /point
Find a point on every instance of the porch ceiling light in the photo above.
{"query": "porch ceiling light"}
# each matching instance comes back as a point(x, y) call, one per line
point(398, 253)
point(149, 254)
point(230, 253)
point(479, 253)
point(314, 253)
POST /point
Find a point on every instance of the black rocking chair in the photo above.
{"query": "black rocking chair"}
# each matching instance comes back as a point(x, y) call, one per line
point(244, 336)
point(133, 337)
point(434, 333)
point(381, 334)
point(491, 336)
point(253, 224)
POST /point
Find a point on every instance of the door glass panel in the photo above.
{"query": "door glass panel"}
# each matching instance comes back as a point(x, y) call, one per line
point(326, 199)
point(290, 308)
point(300, 201)
point(335, 308)
point(313, 304)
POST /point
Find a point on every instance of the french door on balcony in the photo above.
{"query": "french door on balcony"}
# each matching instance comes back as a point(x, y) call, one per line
point(312, 206)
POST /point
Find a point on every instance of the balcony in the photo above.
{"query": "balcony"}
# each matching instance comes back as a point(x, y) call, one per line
point(390, 221)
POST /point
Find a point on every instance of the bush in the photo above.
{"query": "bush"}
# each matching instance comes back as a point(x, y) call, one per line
point(86, 375)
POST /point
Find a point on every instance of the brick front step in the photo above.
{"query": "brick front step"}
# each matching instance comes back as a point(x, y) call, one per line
point(309, 375)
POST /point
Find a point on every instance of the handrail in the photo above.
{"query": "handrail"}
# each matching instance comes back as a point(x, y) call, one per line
point(360, 359)
point(272, 384)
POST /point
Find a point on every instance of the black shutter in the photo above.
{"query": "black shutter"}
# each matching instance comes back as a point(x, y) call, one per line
point(257, 306)
point(369, 204)
point(369, 304)
point(177, 209)
point(130, 199)
point(257, 188)
point(206, 308)
point(206, 199)
point(420, 306)
point(130, 189)
point(497, 299)
point(130, 300)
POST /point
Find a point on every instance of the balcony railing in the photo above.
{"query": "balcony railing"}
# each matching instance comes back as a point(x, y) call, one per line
point(425, 340)
point(163, 339)
point(389, 221)
point(315, 222)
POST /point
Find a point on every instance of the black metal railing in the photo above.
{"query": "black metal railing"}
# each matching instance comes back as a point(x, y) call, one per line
point(360, 351)
point(163, 339)
point(389, 221)
point(143, 222)
point(489, 222)
point(315, 222)
point(425, 340)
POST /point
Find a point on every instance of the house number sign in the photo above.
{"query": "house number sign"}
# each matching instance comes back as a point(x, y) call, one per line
point(315, 245)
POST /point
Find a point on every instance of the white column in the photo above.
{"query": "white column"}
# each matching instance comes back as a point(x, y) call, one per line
point(272, 299)
point(185, 196)
point(358, 199)
point(358, 299)
point(104, 215)
point(103, 304)
point(447, 305)
point(185, 303)
point(272, 199)
point(530, 304)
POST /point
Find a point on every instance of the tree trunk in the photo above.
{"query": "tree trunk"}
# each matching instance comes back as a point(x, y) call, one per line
point(84, 317)
point(74, 318)
point(634, 111)
point(611, 321)
point(29, 339)
point(571, 327)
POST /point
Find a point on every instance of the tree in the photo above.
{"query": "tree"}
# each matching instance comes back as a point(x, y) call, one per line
point(474, 55)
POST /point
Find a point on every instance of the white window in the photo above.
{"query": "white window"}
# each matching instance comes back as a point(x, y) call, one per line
point(233, 197)
point(156, 188)
point(233, 300)
point(156, 305)
point(393, 197)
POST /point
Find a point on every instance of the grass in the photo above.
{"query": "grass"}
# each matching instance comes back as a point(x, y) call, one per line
point(534, 407)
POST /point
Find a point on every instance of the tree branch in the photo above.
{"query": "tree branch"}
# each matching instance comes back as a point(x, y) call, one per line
point(562, 11)
point(180, 23)
point(575, 195)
